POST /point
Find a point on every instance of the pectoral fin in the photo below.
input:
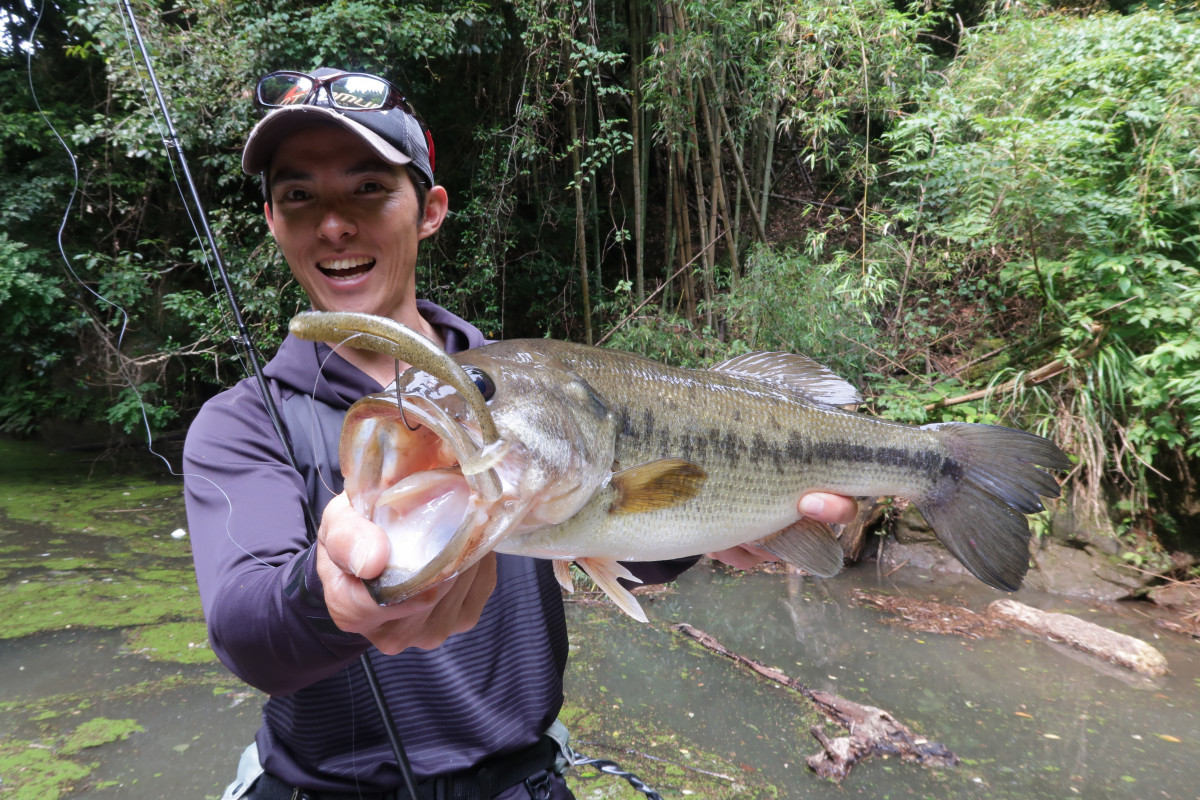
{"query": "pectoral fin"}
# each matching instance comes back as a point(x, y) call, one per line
point(656, 485)
point(562, 574)
point(605, 573)
point(807, 544)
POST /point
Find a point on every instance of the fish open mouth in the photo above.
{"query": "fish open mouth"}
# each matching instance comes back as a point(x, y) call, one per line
point(414, 470)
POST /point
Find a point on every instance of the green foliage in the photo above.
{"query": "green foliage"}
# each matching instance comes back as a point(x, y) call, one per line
point(1065, 150)
point(824, 315)
point(1008, 205)
point(844, 71)
point(1075, 134)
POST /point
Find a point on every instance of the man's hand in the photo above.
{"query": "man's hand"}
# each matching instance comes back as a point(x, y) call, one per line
point(351, 548)
point(834, 509)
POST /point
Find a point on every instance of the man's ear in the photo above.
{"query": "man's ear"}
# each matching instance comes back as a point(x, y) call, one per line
point(437, 203)
point(270, 218)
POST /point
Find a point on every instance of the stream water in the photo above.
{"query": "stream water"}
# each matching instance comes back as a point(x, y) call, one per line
point(109, 690)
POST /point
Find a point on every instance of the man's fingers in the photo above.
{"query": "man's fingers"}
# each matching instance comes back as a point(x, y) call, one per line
point(834, 509)
point(451, 607)
point(354, 543)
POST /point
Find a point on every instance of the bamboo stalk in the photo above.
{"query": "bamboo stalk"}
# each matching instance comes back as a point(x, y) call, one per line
point(580, 216)
point(768, 162)
point(635, 124)
point(759, 228)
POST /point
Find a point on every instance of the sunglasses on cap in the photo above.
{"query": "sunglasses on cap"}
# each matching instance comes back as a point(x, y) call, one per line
point(347, 91)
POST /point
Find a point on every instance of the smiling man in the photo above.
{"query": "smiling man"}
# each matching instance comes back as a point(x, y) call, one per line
point(471, 670)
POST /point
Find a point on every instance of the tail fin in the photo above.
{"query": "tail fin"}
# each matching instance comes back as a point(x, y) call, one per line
point(978, 506)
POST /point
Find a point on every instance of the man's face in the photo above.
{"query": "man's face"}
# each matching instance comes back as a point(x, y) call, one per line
point(347, 222)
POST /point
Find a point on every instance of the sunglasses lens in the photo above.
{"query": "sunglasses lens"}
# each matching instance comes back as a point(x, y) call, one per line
point(284, 89)
point(359, 92)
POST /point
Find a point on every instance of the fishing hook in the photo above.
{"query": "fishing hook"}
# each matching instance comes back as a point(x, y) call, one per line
point(400, 401)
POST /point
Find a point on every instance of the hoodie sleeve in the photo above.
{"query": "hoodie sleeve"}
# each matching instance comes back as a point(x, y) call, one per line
point(255, 568)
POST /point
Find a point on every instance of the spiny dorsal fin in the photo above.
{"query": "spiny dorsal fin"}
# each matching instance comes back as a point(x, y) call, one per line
point(796, 373)
point(656, 485)
point(807, 544)
point(604, 572)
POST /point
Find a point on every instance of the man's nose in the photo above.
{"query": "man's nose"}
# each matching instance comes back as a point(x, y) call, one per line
point(336, 225)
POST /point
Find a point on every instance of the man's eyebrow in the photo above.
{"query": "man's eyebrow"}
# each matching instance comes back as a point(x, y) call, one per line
point(290, 174)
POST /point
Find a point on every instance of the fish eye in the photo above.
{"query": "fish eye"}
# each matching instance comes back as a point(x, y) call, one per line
point(487, 387)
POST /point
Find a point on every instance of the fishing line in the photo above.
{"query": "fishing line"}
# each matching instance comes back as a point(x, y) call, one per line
point(121, 367)
point(120, 310)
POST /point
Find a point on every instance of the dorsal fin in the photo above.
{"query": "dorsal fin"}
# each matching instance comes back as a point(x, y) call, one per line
point(797, 374)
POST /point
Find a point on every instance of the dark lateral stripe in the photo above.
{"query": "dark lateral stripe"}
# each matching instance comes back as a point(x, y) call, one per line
point(731, 447)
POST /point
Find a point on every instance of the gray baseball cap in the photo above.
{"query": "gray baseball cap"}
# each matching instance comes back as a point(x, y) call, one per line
point(395, 135)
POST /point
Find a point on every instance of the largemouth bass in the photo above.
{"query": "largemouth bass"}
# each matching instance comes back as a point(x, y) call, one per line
point(574, 453)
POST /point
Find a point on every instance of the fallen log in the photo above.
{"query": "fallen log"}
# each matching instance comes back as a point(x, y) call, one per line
point(870, 730)
point(1088, 637)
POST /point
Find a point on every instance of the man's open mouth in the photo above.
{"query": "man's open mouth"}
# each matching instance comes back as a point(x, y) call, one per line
point(345, 267)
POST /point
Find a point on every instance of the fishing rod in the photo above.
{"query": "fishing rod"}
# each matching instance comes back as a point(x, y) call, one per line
point(173, 142)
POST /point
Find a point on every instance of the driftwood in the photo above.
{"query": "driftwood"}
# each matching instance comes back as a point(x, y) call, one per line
point(1089, 637)
point(870, 730)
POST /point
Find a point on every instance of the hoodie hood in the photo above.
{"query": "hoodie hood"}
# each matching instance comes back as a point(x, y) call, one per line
point(313, 368)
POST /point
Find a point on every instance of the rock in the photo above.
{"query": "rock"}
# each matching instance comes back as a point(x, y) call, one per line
point(1077, 572)
point(1089, 637)
point(911, 527)
point(1179, 595)
point(927, 556)
point(1057, 568)
point(853, 537)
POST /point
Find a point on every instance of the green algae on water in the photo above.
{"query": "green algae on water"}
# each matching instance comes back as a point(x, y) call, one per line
point(95, 601)
point(98, 731)
point(182, 642)
point(32, 772)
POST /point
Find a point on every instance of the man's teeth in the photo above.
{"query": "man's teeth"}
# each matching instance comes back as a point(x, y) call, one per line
point(345, 263)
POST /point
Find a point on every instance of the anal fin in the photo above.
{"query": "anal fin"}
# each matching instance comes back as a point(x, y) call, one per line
point(807, 544)
point(605, 572)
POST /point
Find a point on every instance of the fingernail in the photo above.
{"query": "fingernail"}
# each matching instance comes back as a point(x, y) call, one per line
point(359, 554)
point(812, 504)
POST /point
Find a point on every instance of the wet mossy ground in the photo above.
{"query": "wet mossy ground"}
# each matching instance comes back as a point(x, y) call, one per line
point(85, 548)
point(82, 548)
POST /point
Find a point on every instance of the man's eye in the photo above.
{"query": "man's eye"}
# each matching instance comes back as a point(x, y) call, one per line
point(295, 195)
point(370, 187)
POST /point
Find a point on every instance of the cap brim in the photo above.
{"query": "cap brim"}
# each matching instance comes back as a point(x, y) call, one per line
point(282, 122)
